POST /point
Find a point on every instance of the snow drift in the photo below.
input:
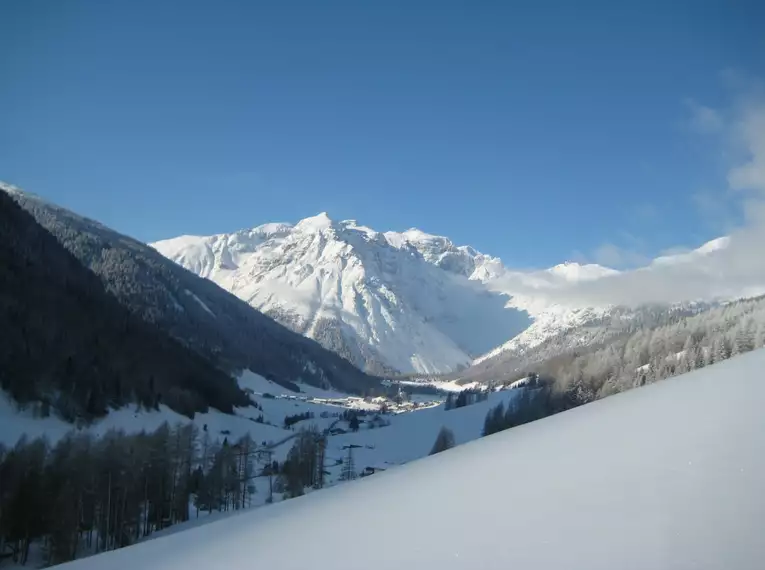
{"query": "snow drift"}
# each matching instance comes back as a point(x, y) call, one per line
point(666, 476)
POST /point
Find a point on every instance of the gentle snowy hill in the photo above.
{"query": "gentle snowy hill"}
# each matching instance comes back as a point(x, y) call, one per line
point(387, 302)
point(667, 476)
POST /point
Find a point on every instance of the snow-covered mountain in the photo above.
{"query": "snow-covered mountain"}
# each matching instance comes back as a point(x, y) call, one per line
point(409, 302)
point(389, 302)
point(548, 318)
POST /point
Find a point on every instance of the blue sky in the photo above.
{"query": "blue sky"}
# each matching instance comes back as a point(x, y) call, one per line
point(536, 131)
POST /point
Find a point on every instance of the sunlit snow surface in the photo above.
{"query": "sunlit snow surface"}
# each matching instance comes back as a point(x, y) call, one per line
point(670, 476)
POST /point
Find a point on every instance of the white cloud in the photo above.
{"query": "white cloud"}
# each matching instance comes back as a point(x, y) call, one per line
point(749, 132)
point(705, 119)
point(725, 268)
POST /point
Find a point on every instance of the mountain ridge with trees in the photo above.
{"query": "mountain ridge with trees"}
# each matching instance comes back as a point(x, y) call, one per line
point(214, 323)
point(70, 347)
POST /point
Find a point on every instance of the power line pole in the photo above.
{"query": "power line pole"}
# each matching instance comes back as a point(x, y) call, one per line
point(269, 470)
point(349, 470)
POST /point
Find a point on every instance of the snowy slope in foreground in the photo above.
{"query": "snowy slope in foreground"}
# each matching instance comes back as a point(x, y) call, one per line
point(667, 476)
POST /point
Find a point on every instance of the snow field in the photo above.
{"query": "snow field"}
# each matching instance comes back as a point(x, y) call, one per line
point(666, 476)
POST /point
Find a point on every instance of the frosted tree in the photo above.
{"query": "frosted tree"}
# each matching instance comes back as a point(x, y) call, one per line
point(688, 345)
point(743, 337)
point(692, 358)
point(720, 349)
point(759, 337)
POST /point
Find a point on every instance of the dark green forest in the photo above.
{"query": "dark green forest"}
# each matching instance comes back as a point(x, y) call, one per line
point(70, 347)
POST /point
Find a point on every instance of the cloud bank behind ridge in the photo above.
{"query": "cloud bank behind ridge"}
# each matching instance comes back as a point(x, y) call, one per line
point(728, 267)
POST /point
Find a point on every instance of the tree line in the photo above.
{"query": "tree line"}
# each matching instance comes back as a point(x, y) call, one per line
point(291, 420)
point(85, 495)
point(649, 355)
point(530, 404)
point(465, 397)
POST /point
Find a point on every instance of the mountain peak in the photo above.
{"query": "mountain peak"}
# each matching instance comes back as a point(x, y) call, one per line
point(320, 221)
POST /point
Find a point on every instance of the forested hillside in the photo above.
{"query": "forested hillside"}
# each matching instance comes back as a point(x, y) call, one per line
point(211, 321)
point(598, 330)
point(682, 344)
point(647, 355)
point(69, 345)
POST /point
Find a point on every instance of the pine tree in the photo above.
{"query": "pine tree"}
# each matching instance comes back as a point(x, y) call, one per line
point(444, 441)
point(743, 337)
point(495, 420)
point(759, 337)
point(720, 349)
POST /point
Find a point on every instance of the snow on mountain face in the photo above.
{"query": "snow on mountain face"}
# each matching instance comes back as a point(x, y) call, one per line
point(441, 252)
point(408, 301)
point(387, 302)
point(549, 319)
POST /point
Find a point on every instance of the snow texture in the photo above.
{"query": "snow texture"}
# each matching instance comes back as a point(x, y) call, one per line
point(666, 476)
